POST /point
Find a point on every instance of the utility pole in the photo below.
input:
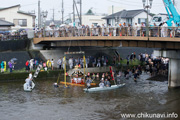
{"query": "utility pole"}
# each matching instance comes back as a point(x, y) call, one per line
point(112, 13)
point(53, 14)
point(74, 13)
point(112, 9)
point(77, 11)
point(39, 14)
point(80, 12)
point(62, 12)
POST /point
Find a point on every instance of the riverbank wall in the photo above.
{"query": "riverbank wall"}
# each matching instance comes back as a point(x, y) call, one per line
point(12, 77)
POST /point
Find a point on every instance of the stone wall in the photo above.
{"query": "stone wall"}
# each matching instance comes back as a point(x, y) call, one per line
point(14, 45)
point(22, 57)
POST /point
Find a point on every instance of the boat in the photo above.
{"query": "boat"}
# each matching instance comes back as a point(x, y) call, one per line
point(77, 77)
point(28, 88)
point(103, 88)
point(74, 84)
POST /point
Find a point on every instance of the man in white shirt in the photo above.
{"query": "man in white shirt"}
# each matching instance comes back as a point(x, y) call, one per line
point(103, 30)
point(101, 84)
point(28, 81)
point(164, 30)
point(70, 63)
point(30, 78)
point(135, 29)
point(59, 63)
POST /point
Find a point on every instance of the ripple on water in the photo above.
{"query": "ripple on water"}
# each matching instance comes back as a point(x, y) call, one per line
point(49, 103)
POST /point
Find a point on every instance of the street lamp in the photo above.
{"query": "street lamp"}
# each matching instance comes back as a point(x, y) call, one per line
point(147, 5)
point(44, 14)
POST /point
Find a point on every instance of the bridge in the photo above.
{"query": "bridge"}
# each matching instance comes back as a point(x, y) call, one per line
point(121, 37)
point(114, 37)
point(112, 41)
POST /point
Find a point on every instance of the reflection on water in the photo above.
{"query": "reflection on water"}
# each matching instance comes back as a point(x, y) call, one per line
point(49, 103)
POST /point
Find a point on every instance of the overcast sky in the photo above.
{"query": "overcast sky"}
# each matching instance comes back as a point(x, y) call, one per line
point(99, 6)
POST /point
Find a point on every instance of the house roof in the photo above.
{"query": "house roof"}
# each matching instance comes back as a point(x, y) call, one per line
point(10, 7)
point(125, 14)
point(21, 12)
point(5, 23)
point(25, 13)
point(56, 22)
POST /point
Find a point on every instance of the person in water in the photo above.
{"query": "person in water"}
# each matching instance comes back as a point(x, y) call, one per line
point(101, 84)
point(107, 83)
point(28, 81)
point(88, 82)
point(118, 78)
point(93, 76)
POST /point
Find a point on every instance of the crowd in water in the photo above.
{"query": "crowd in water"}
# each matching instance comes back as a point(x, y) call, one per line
point(153, 65)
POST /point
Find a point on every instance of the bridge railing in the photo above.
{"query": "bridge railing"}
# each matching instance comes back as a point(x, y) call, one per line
point(112, 31)
point(12, 37)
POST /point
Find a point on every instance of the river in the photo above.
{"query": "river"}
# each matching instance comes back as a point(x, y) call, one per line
point(48, 103)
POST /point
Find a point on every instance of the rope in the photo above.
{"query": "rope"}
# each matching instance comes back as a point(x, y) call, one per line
point(69, 46)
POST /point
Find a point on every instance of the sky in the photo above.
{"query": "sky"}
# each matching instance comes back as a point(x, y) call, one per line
point(98, 6)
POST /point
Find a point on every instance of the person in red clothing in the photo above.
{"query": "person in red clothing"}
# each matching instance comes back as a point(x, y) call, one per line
point(27, 66)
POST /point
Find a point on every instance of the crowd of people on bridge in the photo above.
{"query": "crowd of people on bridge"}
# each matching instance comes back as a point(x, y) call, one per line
point(108, 30)
point(13, 35)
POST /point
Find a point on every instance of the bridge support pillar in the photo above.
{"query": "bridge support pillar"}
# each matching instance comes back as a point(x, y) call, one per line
point(174, 66)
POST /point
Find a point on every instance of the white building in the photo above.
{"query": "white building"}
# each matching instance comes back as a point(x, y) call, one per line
point(91, 19)
point(128, 16)
point(19, 18)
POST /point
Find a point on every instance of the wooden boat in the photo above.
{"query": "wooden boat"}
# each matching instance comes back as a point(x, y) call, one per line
point(28, 88)
point(77, 78)
point(103, 88)
point(74, 84)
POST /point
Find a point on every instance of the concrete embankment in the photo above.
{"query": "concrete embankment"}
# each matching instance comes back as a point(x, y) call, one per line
point(22, 57)
point(89, 51)
point(10, 77)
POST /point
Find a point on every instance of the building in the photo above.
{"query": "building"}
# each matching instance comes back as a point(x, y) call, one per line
point(55, 22)
point(91, 19)
point(5, 25)
point(127, 16)
point(20, 18)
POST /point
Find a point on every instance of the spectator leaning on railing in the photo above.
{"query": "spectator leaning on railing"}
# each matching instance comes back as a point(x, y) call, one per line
point(107, 30)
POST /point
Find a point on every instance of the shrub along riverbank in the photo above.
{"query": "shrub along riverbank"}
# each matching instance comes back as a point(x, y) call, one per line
point(20, 76)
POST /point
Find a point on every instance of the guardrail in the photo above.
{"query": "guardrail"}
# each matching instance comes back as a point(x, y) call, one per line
point(113, 31)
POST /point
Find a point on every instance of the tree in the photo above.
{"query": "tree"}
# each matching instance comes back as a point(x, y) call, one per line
point(89, 12)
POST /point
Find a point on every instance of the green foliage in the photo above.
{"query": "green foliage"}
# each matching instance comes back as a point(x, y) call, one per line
point(122, 65)
point(22, 75)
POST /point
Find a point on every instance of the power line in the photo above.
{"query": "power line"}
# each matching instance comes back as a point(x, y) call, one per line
point(125, 3)
point(29, 4)
point(130, 3)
